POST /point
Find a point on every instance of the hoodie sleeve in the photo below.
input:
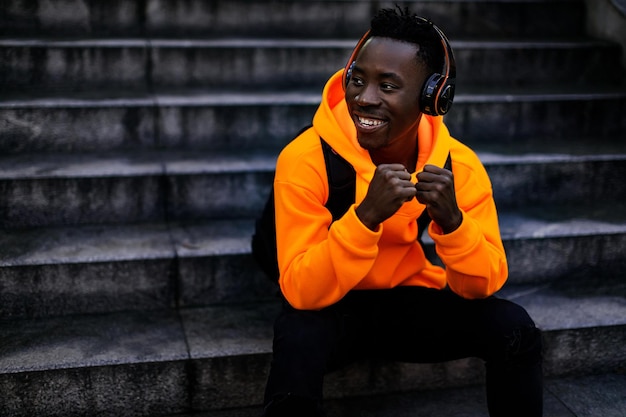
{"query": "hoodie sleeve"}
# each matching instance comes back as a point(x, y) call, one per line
point(474, 256)
point(312, 253)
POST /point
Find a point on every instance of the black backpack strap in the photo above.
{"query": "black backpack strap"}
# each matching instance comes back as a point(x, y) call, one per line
point(341, 182)
point(424, 220)
point(264, 240)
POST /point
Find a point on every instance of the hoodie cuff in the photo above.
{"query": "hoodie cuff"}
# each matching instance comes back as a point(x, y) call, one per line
point(457, 241)
point(351, 229)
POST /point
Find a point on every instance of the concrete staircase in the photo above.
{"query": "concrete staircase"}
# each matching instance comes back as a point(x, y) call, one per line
point(137, 144)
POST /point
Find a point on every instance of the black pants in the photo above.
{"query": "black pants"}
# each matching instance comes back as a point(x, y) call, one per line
point(410, 324)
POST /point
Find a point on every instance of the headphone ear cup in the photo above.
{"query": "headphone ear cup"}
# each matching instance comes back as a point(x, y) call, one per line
point(446, 96)
point(429, 94)
point(347, 74)
point(437, 95)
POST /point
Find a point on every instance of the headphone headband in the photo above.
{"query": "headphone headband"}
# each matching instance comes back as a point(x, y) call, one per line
point(347, 73)
point(437, 93)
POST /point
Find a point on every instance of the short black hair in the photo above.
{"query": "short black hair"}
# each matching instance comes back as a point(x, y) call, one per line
point(402, 25)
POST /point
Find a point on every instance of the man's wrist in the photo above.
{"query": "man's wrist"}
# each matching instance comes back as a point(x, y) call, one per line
point(453, 225)
point(367, 222)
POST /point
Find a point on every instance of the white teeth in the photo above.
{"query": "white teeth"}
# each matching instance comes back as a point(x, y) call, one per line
point(370, 122)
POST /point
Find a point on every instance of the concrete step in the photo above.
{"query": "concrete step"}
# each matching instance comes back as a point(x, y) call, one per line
point(534, 179)
point(100, 269)
point(136, 64)
point(47, 190)
point(212, 119)
point(351, 18)
point(128, 364)
point(294, 19)
point(548, 243)
point(129, 188)
point(66, 65)
point(161, 362)
point(486, 115)
point(586, 396)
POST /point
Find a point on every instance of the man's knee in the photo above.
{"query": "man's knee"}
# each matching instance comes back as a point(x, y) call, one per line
point(523, 346)
point(515, 338)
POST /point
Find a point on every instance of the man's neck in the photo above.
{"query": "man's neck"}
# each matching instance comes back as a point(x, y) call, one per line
point(404, 153)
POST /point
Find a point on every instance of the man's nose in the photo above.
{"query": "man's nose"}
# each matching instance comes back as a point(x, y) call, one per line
point(368, 96)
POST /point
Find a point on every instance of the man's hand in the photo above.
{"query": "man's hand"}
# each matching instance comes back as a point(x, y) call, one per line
point(435, 189)
point(390, 188)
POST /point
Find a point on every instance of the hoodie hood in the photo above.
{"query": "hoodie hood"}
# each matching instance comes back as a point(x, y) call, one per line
point(333, 122)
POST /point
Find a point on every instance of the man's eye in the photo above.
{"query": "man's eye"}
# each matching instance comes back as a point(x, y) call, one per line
point(388, 87)
point(357, 81)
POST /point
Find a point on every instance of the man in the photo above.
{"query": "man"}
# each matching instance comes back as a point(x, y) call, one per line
point(361, 286)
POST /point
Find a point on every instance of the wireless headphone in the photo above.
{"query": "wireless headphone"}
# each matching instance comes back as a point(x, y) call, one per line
point(438, 91)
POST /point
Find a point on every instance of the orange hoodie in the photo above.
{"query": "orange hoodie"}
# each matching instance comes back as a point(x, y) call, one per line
point(320, 262)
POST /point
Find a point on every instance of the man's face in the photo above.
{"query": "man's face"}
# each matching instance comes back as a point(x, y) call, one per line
point(383, 92)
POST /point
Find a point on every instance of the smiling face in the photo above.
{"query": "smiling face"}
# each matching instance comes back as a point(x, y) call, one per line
point(383, 95)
